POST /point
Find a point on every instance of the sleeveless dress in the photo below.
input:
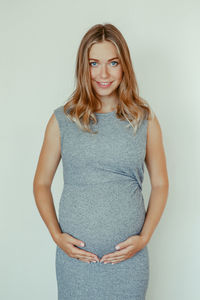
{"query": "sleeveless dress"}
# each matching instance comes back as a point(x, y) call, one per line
point(102, 204)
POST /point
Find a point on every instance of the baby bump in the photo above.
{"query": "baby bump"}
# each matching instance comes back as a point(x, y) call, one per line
point(101, 216)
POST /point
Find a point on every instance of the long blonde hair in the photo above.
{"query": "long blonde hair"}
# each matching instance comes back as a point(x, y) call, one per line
point(83, 102)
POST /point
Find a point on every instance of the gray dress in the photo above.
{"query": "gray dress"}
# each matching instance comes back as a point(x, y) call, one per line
point(102, 204)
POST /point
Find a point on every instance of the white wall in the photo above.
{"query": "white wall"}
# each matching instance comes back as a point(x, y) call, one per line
point(39, 42)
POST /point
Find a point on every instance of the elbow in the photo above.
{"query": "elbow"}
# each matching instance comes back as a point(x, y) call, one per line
point(161, 184)
point(38, 184)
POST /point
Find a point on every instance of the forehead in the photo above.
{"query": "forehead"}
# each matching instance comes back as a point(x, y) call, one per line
point(103, 51)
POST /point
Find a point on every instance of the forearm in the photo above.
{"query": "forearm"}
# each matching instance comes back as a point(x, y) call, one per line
point(157, 202)
point(45, 205)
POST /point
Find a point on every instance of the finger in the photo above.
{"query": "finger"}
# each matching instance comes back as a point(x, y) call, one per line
point(117, 261)
point(84, 260)
point(89, 260)
point(115, 254)
point(114, 258)
point(85, 254)
point(120, 258)
point(114, 261)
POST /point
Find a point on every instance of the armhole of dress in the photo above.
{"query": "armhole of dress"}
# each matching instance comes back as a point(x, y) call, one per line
point(152, 115)
point(60, 117)
point(146, 131)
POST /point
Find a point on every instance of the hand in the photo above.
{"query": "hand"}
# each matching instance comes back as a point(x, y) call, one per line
point(68, 244)
point(128, 248)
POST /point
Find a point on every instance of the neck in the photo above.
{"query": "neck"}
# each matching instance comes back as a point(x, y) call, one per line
point(109, 103)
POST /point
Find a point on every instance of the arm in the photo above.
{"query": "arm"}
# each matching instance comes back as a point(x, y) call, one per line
point(48, 162)
point(49, 159)
point(156, 165)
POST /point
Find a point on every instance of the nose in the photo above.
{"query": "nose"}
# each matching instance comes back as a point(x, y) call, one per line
point(104, 71)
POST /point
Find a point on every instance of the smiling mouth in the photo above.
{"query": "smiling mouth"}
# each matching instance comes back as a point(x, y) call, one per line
point(104, 84)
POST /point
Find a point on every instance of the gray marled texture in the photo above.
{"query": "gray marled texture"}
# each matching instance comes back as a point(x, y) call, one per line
point(102, 204)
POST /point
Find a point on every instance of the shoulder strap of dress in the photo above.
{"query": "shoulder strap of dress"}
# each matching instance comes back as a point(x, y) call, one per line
point(61, 119)
point(60, 116)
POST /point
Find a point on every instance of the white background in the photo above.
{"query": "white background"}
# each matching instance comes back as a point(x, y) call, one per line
point(39, 43)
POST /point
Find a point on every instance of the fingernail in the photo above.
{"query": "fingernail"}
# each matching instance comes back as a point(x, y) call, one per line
point(117, 247)
point(105, 262)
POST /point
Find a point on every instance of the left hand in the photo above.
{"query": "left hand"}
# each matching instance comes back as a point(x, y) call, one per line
point(127, 249)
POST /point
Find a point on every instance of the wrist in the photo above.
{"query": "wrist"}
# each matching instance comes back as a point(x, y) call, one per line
point(145, 239)
point(56, 237)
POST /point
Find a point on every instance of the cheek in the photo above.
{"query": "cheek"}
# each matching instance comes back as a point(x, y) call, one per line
point(93, 73)
point(119, 74)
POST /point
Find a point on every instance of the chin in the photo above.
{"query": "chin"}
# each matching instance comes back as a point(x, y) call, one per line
point(105, 93)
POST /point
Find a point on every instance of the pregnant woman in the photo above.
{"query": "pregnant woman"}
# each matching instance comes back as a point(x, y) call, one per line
point(104, 134)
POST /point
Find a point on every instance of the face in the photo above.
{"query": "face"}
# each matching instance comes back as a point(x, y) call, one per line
point(105, 69)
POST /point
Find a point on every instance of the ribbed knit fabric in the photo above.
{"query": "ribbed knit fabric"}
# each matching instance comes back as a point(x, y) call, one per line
point(102, 204)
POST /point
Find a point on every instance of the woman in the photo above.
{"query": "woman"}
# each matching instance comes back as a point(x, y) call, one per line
point(103, 134)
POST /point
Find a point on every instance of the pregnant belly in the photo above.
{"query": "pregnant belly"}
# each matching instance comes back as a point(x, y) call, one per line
point(102, 216)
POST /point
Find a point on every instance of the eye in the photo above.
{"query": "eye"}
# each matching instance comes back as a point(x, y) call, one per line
point(93, 62)
point(115, 62)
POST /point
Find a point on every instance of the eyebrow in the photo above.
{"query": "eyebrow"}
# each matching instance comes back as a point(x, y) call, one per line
point(108, 60)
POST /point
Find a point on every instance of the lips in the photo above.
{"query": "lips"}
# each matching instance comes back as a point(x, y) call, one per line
point(104, 84)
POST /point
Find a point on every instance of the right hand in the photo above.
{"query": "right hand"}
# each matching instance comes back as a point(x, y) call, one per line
point(68, 244)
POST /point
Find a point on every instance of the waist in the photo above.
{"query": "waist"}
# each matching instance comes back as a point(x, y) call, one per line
point(103, 183)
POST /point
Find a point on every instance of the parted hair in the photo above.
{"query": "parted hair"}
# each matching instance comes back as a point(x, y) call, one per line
point(84, 101)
